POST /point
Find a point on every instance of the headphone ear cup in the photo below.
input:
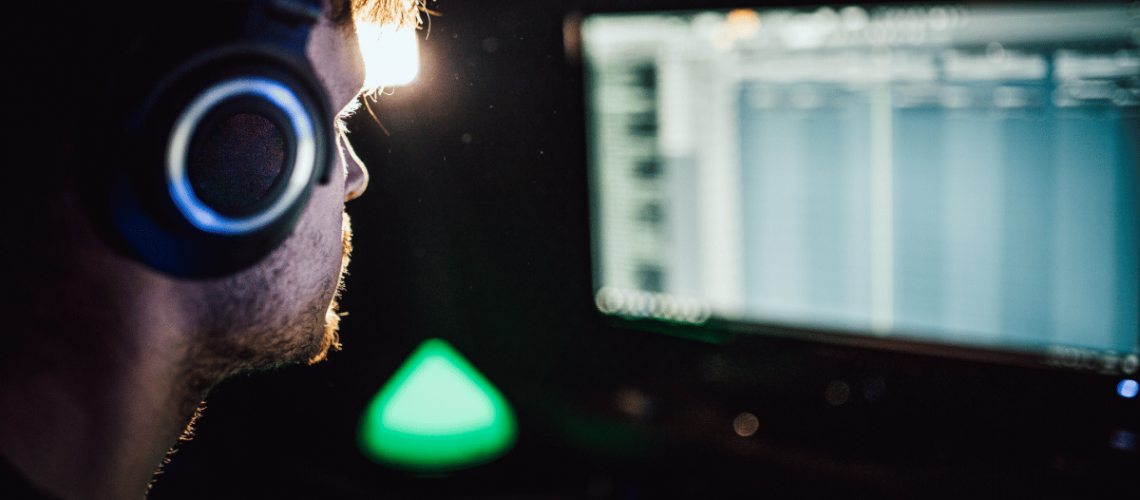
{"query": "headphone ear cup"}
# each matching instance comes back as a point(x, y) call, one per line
point(221, 169)
point(218, 129)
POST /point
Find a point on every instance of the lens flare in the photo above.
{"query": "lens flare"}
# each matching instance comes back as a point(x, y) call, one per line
point(391, 55)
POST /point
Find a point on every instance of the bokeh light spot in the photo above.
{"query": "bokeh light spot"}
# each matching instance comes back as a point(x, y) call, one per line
point(1128, 388)
point(837, 392)
point(437, 413)
point(745, 424)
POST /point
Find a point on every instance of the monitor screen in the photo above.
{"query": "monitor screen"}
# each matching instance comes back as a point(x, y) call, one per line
point(960, 175)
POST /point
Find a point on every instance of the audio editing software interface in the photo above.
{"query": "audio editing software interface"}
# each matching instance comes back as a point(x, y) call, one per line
point(963, 175)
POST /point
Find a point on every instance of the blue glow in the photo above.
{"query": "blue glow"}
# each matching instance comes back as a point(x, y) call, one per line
point(1122, 440)
point(1128, 388)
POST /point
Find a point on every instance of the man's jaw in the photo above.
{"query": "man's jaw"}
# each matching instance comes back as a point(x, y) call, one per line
point(330, 341)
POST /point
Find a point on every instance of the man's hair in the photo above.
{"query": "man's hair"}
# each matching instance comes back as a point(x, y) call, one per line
point(402, 13)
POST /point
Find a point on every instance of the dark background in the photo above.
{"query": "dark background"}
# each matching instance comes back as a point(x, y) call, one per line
point(474, 229)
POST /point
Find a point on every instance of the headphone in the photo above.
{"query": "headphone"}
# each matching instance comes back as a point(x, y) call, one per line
point(220, 130)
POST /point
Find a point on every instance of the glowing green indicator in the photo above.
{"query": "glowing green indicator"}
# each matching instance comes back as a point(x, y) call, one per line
point(437, 413)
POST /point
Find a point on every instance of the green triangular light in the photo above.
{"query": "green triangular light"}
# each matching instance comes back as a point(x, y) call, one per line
point(437, 413)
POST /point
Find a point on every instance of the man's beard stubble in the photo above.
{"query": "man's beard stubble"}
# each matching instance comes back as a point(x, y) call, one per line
point(331, 339)
point(210, 368)
point(217, 360)
point(246, 331)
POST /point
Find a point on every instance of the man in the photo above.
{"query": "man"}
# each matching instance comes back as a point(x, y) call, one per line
point(108, 356)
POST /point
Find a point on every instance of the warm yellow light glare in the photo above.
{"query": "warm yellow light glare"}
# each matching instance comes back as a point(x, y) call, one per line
point(742, 23)
point(391, 55)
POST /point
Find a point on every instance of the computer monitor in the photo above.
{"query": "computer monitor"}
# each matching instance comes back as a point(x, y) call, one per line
point(958, 180)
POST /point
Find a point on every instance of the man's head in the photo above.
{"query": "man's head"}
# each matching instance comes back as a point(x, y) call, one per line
point(285, 297)
point(98, 342)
